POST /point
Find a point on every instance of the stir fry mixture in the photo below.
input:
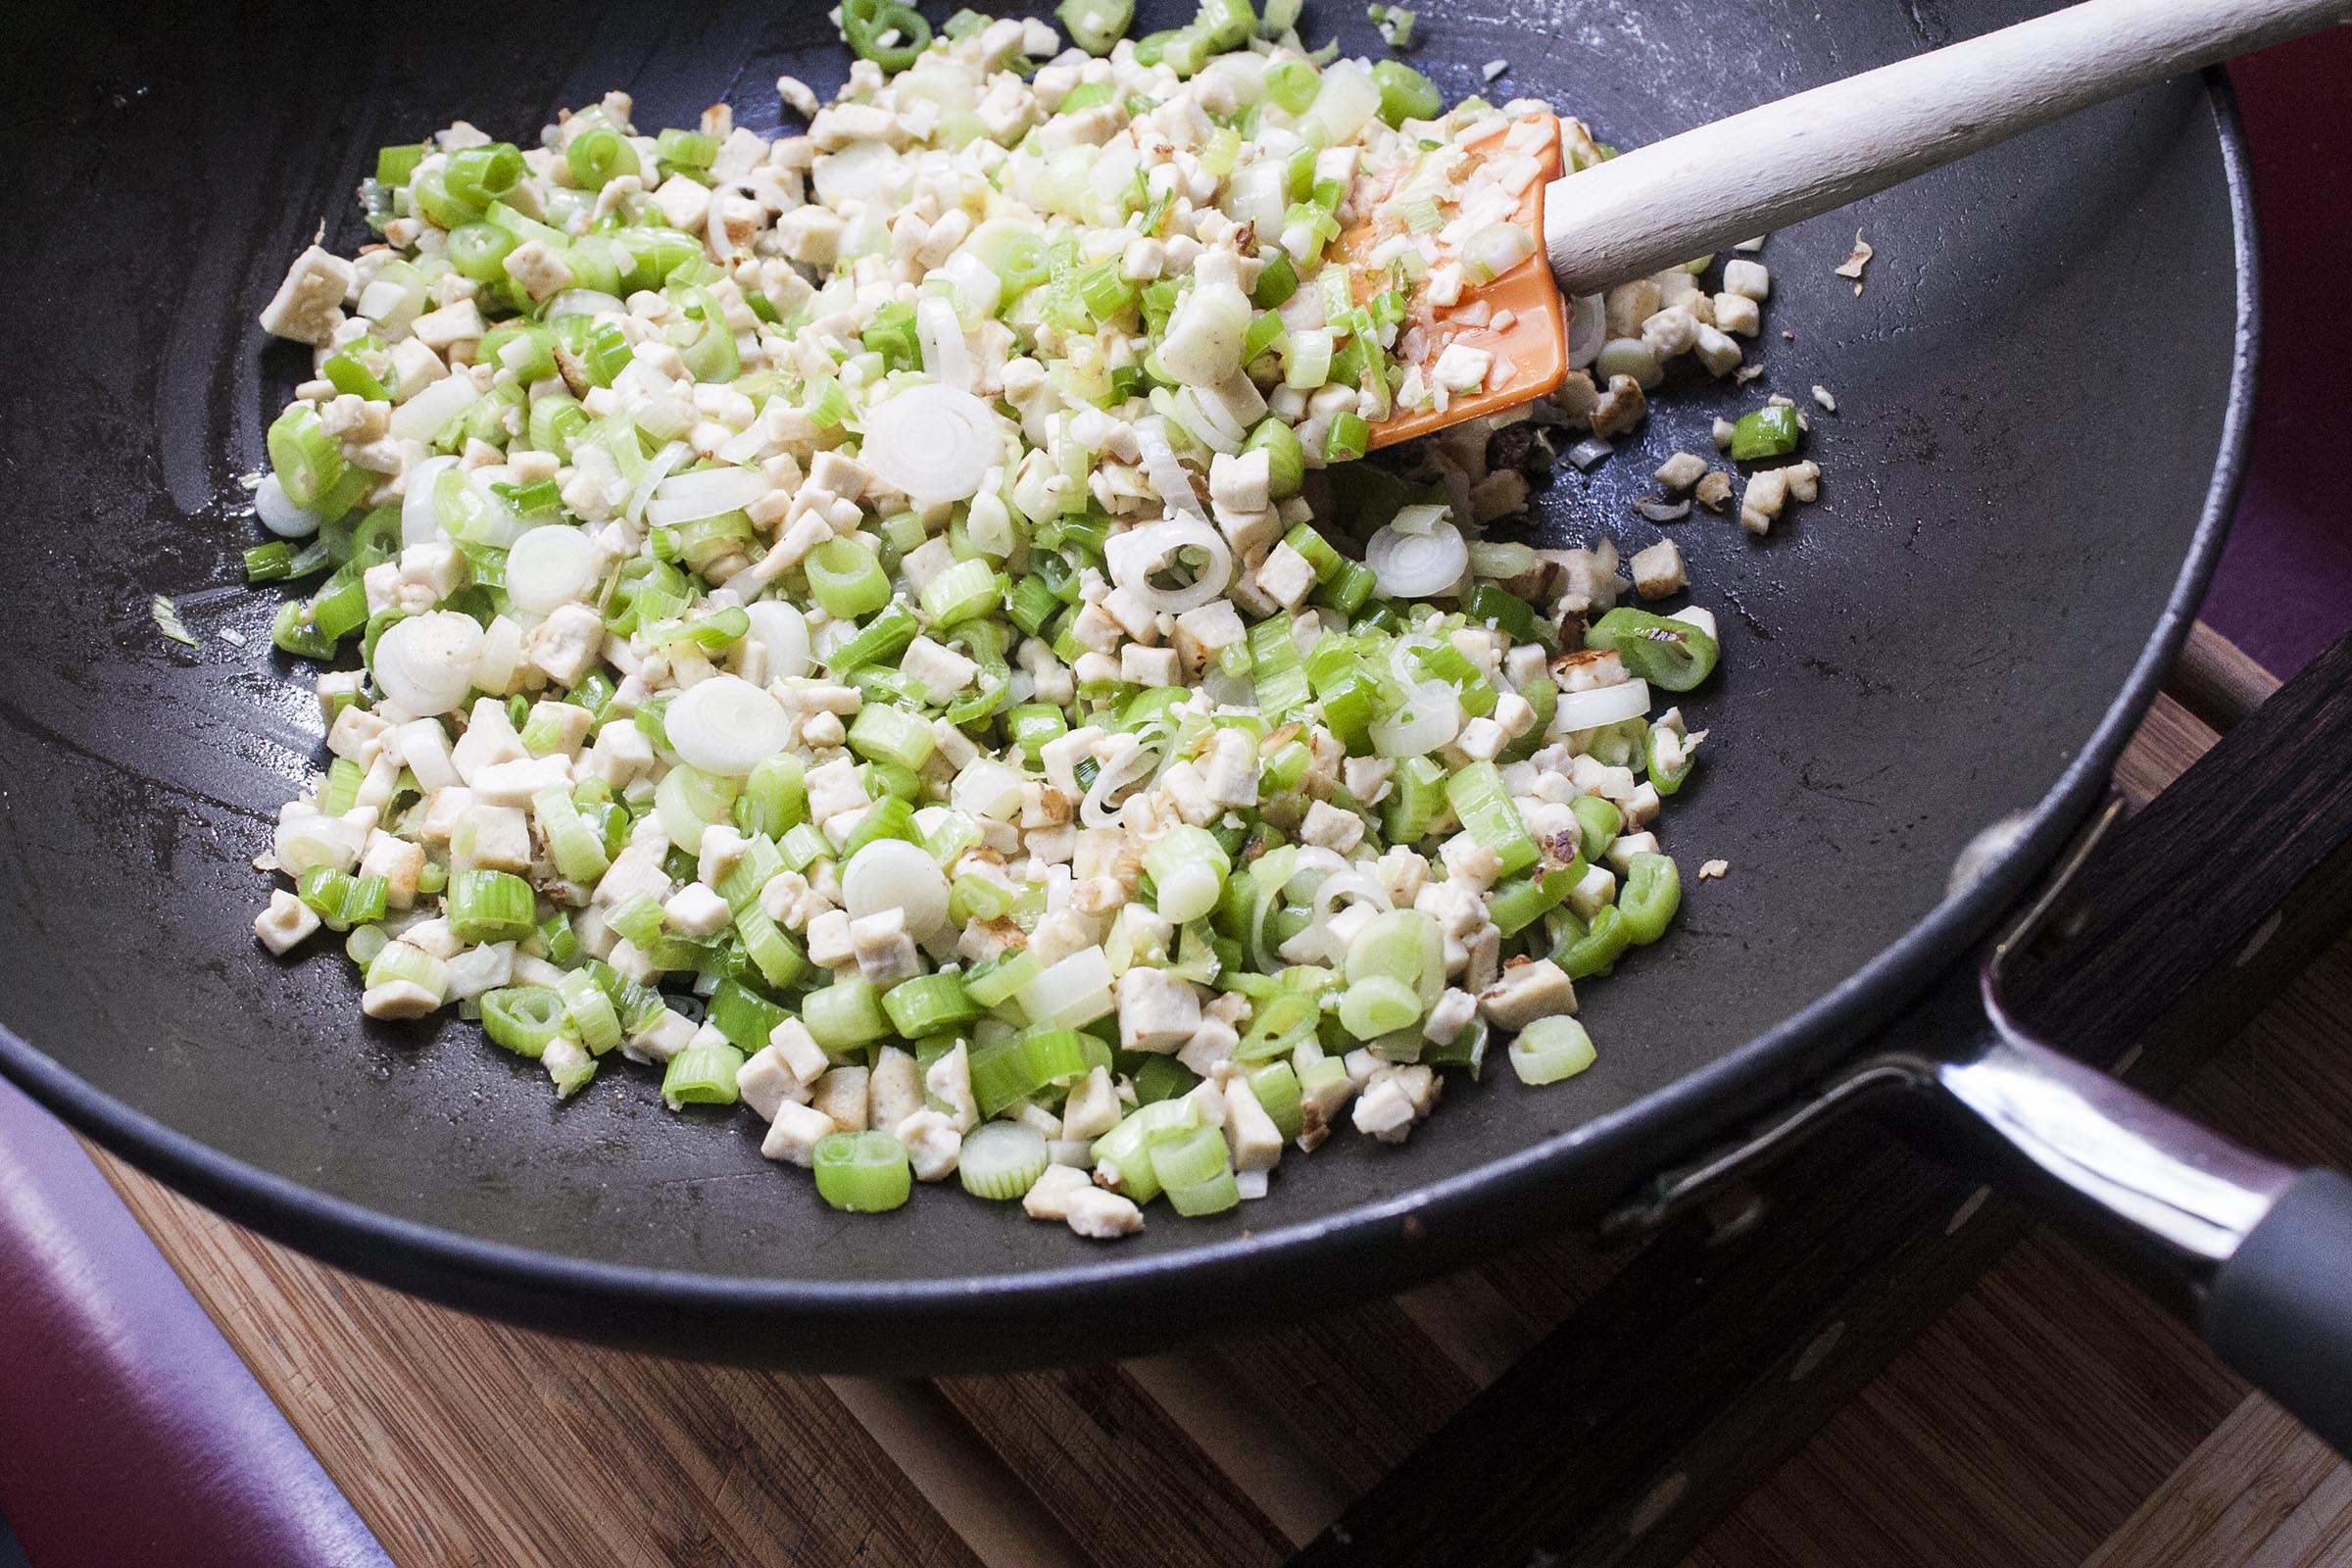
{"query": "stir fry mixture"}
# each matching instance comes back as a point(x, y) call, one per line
point(889, 625)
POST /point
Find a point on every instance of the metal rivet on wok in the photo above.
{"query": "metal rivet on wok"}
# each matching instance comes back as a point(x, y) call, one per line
point(1809, 1360)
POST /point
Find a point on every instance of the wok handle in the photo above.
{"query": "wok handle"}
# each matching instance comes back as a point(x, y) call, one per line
point(2281, 1311)
point(1710, 188)
point(2266, 1248)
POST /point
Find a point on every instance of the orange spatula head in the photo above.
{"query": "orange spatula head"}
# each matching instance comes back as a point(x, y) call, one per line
point(1516, 317)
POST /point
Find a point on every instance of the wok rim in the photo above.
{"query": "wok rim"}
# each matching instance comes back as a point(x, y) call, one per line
point(1448, 1222)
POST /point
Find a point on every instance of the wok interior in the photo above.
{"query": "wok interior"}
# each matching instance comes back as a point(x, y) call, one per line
point(2030, 392)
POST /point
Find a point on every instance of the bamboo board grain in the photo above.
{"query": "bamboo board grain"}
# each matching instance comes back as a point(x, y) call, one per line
point(463, 1442)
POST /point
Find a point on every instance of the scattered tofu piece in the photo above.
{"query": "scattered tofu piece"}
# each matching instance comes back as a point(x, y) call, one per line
point(793, 1132)
point(1658, 571)
point(1822, 399)
point(308, 306)
point(285, 922)
point(1527, 991)
point(1711, 870)
point(1681, 472)
point(1049, 1195)
point(1100, 1216)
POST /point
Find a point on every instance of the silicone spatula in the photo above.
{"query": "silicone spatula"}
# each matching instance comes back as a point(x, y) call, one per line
point(1707, 189)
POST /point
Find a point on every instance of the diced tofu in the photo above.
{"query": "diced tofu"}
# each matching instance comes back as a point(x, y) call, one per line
point(1150, 666)
point(514, 783)
point(694, 910)
point(933, 1145)
point(1395, 1098)
point(793, 1132)
point(685, 203)
point(1241, 483)
point(1049, 1198)
point(841, 1094)
point(950, 1082)
point(1528, 991)
point(398, 861)
point(539, 268)
point(767, 1084)
point(1449, 1015)
point(566, 644)
point(1250, 1133)
point(1482, 740)
point(1203, 632)
point(1719, 353)
point(1229, 774)
point(1093, 1106)
point(1287, 577)
point(1100, 1216)
point(285, 922)
point(1461, 367)
point(834, 789)
point(895, 1091)
point(1682, 470)
point(502, 838)
point(1748, 279)
point(1330, 828)
point(458, 322)
point(1621, 407)
point(1738, 314)
point(1156, 1012)
point(938, 670)
point(308, 306)
point(1658, 571)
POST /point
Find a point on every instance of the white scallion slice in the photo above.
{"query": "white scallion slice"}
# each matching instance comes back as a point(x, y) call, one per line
point(947, 360)
point(664, 462)
point(1603, 705)
point(281, 516)
point(550, 566)
point(894, 874)
point(419, 521)
point(422, 417)
point(935, 443)
point(726, 725)
point(1001, 1161)
point(704, 493)
point(425, 662)
point(784, 631)
point(1417, 565)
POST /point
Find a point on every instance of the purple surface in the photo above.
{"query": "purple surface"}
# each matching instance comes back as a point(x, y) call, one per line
point(132, 1432)
point(2284, 589)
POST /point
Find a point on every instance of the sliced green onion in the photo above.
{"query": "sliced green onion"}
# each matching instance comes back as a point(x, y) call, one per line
point(491, 907)
point(864, 1173)
point(1404, 93)
point(1767, 432)
point(702, 1075)
point(1377, 1004)
point(845, 1015)
point(1479, 799)
point(1001, 1161)
point(1027, 1063)
point(1652, 893)
point(928, 1004)
point(1549, 1049)
point(590, 1011)
point(1595, 951)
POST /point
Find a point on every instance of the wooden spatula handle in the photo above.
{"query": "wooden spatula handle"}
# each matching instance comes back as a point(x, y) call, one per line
point(1710, 188)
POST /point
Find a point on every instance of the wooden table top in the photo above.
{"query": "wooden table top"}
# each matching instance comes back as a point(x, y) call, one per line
point(2047, 1416)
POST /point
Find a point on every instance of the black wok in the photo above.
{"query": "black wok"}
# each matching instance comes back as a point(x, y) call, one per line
point(2043, 400)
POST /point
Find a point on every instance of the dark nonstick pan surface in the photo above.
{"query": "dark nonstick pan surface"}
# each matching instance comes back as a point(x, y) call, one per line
point(2041, 399)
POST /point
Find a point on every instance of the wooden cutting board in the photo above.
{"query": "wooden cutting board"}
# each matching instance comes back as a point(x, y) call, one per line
point(1959, 1388)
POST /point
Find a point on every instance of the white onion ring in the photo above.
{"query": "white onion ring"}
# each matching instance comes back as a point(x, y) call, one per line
point(784, 631)
point(1315, 944)
point(1431, 717)
point(419, 523)
point(1138, 766)
point(1137, 552)
point(704, 493)
point(894, 874)
point(946, 357)
point(725, 725)
point(281, 516)
point(933, 443)
point(1167, 476)
point(668, 458)
point(1416, 566)
point(1589, 327)
point(550, 566)
point(1601, 704)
